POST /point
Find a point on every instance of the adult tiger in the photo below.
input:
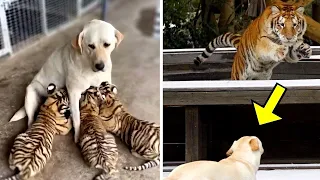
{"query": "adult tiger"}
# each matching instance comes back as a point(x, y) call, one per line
point(98, 147)
point(275, 36)
point(142, 137)
point(31, 150)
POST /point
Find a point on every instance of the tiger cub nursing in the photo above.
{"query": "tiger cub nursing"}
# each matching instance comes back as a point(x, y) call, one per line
point(31, 150)
point(141, 136)
point(98, 147)
point(275, 36)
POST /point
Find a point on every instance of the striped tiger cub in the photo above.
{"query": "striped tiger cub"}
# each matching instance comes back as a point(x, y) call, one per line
point(31, 150)
point(98, 147)
point(142, 137)
point(273, 37)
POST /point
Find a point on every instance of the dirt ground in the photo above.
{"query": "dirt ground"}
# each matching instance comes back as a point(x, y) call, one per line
point(135, 71)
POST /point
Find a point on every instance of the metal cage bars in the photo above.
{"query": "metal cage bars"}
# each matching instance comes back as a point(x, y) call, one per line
point(23, 22)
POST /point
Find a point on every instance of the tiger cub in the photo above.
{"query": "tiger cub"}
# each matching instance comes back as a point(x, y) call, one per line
point(31, 150)
point(275, 36)
point(142, 137)
point(98, 147)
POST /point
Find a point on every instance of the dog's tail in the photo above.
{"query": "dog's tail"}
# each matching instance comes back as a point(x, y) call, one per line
point(20, 114)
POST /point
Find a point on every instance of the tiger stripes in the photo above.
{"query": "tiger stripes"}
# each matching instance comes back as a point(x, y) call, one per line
point(98, 147)
point(141, 136)
point(32, 149)
point(273, 37)
point(225, 40)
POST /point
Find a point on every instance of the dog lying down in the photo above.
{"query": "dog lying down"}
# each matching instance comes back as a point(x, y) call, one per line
point(242, 164)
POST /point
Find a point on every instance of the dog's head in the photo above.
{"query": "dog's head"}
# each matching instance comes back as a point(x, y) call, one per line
point(96, 42)
point(247, 144)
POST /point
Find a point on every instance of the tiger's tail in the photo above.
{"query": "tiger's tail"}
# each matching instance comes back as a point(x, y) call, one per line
point(149, 164)
point(225, 40)
point(14, 177)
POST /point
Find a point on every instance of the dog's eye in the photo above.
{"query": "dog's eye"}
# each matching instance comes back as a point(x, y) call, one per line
point(91, 46)
point(106, 45)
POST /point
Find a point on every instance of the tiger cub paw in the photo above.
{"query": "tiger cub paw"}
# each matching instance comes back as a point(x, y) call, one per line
point(281, 53)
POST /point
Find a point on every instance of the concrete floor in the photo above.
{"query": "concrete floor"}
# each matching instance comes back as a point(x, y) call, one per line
point(136, 72)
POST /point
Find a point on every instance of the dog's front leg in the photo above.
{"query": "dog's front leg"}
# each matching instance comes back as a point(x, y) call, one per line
point(32, 100)
point(74, 97)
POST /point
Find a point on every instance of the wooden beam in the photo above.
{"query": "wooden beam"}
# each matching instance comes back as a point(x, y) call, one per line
point(237, 97)
point(193, 141)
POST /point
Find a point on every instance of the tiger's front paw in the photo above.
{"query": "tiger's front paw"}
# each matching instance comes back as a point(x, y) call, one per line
point(299, 51)
point(304, 51)
point(281, 53)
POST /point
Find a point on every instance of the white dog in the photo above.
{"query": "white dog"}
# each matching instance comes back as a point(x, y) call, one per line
point(242, 164)
point(77, 65)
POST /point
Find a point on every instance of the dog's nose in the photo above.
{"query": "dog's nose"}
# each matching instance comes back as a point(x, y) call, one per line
point(99, 66)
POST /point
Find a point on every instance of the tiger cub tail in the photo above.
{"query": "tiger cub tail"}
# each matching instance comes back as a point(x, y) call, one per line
point(149, 164)
point(225, 40)
point(14, 177)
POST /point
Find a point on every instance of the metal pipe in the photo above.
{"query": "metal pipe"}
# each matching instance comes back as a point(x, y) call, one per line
point(104, 10)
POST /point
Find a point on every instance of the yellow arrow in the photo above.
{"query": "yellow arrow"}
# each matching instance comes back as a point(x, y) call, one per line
point(265, 114)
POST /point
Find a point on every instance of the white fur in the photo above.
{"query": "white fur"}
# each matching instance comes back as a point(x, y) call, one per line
point(73, 66)
point(242, 164)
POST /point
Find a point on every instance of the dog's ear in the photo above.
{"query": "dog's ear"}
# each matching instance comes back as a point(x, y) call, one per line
point(77, 41)
point(229, 152)
point(254, 144)
point(119, 37)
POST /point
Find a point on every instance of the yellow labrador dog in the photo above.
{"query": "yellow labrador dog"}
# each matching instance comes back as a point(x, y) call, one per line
point(242, 164)
point(77, 65)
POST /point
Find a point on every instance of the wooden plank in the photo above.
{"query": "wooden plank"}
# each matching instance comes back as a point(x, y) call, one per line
point(193, 141)
point(179, 66)
point(204, 86)
point(237, 97)
point(226, 76)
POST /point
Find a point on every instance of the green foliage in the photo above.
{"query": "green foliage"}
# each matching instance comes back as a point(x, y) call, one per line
point(190, 29)
point(188, 24)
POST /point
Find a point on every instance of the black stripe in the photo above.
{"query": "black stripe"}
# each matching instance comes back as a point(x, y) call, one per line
point(236, 42)
point(209, 50)
point(204, 55)
point(233, 37)
point(290, 52)
point(224, 39)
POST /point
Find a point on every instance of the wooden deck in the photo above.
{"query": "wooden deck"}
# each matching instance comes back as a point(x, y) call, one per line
point(178, 66)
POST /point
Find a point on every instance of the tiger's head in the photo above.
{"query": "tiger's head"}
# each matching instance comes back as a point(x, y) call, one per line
point(58, 103)
point(110, 105)
point(90, 100)
point(287, 22)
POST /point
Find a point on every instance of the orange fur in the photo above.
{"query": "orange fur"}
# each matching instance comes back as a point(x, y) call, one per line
point(273, 37)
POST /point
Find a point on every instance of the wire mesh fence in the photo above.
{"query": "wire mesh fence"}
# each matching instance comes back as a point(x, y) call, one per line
point(156, 27)
point(26, 21)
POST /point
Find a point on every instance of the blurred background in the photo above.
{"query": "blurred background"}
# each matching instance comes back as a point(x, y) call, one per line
point(28, 21)
point(192, 23)
point(30, 30)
